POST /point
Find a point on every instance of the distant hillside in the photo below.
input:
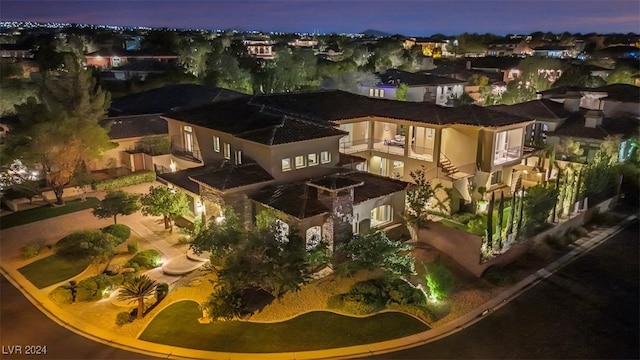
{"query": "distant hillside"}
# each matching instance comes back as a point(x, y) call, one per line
point(371, 32)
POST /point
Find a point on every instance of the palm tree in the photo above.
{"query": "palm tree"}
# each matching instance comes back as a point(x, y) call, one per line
point(137, 289)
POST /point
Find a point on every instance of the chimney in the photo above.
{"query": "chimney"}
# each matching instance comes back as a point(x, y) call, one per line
point(571, 104)
point(593, 118)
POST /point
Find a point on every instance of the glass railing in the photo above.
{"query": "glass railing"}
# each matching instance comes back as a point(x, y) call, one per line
point(421, 153)
point(506, 155)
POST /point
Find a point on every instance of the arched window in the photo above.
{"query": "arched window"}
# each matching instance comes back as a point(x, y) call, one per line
point(313, 236)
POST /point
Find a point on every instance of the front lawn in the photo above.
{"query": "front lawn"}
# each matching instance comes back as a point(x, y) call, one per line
point(177, 325)
point(45, 212)
point(52, 270)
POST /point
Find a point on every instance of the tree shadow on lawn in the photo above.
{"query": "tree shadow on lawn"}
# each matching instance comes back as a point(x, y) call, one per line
point(177, 325)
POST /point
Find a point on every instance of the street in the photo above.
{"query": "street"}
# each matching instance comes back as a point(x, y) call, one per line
point(587, 310)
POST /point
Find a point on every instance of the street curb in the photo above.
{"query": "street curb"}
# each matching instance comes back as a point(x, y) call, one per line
point(452, 327)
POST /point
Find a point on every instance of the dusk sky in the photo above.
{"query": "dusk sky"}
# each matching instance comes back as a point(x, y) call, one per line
point(417, 17)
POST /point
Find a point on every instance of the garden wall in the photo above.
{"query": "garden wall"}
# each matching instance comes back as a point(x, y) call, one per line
point(464, 247)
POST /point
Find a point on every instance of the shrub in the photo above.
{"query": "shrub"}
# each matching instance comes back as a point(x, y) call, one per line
point(400, 292)
point(126, 180)
point(439, 280)
point(477, 226)
point(93, 288)
point(123, 318)
point(119, 231)
point(29, 251)
point(132, 248)
point(162, 289)
point(358, 306)
point(62, 295)
point(145, 259)
point(464, 218)
point(85, 244)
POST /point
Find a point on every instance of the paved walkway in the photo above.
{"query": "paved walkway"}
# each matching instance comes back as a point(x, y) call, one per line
point(49, 232)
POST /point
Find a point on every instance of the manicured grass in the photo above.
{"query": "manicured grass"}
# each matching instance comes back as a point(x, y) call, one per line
point(453, 224)
point(45, 212)
point(177, 325)
point(52, 270)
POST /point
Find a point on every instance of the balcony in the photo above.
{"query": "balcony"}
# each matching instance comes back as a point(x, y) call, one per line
point(507, 155)
point(349, 147)
point(186, 154)
point(421, 153)
point(389, 146)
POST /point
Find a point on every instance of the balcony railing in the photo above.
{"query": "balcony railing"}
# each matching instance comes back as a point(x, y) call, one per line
point(421, 153)
point(389, 146)
point(186, 154)
point(506, 155)
point(348, 147)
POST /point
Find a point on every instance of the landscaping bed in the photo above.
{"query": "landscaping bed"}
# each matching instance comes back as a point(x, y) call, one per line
point(52, 270)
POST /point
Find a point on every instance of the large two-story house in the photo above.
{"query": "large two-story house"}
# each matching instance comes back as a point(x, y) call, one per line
point(244, 154)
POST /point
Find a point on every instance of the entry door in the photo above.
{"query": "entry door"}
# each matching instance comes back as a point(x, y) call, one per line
point(188, 139)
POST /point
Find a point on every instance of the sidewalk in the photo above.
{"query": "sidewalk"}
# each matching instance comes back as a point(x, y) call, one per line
point(41, 301)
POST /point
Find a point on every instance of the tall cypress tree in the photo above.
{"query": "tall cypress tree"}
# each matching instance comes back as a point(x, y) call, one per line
point(500, 216)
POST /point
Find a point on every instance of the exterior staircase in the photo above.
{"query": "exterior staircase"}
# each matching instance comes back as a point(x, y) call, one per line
point(517, 184)
point(447, 167)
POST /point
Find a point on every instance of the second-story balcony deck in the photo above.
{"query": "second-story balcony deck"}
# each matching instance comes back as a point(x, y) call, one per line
point(186, 154)
point(507, 155)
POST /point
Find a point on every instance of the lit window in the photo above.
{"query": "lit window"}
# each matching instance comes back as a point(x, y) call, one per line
point(380, 215)
point(216, 143)
point(227, 151)
point(312, 159)
point(370, 92)
point(286, 164)
point(325, 157)
point(300, 163)
point(187, 128)
point(238, 157)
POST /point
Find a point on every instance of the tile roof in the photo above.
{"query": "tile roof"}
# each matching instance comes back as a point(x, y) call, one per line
point(301, 200)
point(615, 92)
point(123, 127)
point(169, 97)
point(338, 105)
point(253, 122)
point(393, 76)
point(543, 109)
point(626, 126)
point(231, 177)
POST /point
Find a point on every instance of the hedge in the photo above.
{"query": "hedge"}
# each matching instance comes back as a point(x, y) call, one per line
point(29, 251)
point(145, 259)
point(135, 178)
point(93, 288)
point(119, 231)
point(62, 295)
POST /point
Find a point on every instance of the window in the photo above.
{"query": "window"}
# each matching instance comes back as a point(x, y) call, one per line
point(430, 132)
point(325, 157)
point(300, 163)
point(238, 157)
point(227, 151)
point(496, 177)
point(370, 92)
point(314, 236)
point(380, 215)
point(286, 164)
point(312, 159)
point(216, 143)
point(188, 138)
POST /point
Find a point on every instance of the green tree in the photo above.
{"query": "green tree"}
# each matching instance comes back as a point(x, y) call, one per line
point(193, 55)
point(537, 206)
point(622, 75)
point(401, 92)
point(375, 250)
point(220, 239)
point(165, 202)
point(61, 133)
point(136, 290)
point(94, 245)
point(116, 203)
point(418, 196)
point(440, 280)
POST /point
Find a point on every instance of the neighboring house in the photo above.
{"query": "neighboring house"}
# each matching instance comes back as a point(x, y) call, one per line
point(231, 151)
point(493, 65)
point(303, 42)
point(106, 59)
point(140, 140)
point(509, 47)
point(259, 48)
point(553, 51)
point(581, 116)
point(431, 47)
point(16, 51)
point(141, 69)
point(169, 97)
point(440, 90)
